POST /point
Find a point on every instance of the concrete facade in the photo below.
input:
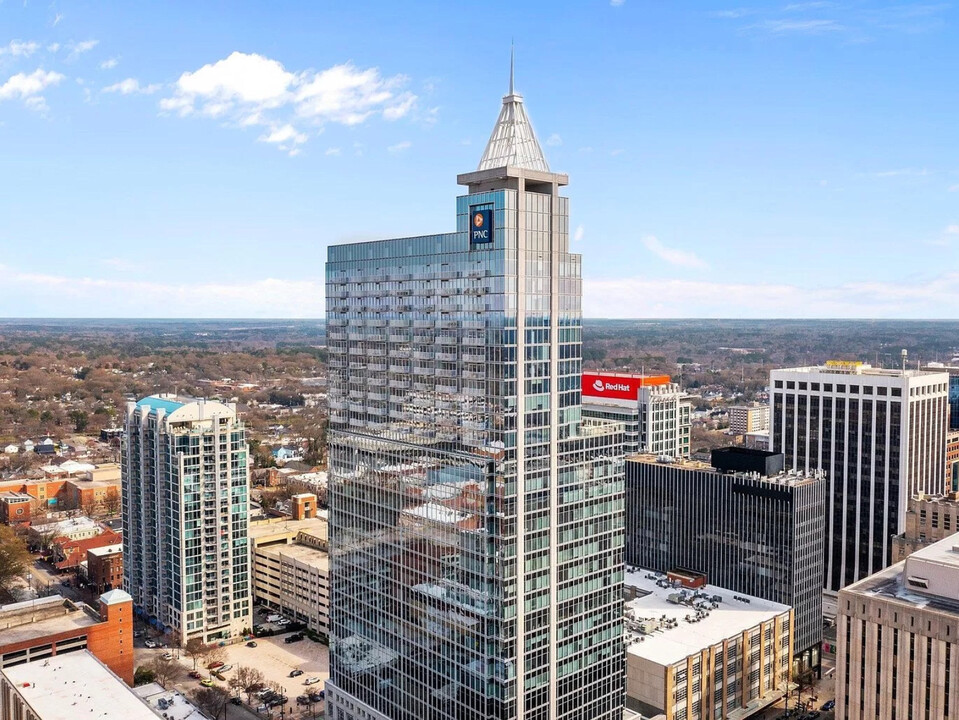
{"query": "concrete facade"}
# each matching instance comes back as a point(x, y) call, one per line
point(897, 633)
point(745, 419)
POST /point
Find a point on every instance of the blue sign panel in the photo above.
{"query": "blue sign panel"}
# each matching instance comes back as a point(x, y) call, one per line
point(481, 226)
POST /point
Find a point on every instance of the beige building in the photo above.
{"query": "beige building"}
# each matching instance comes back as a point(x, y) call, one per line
point(897, 635)
point(748, 419)
point(703, 653)
point(929, 519)
point(291, 568)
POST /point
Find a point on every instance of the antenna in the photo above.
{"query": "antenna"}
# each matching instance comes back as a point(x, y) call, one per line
point(511, 54)
point(905, 355)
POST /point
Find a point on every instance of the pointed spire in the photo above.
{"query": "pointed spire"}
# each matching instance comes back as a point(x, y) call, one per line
point(513, 142)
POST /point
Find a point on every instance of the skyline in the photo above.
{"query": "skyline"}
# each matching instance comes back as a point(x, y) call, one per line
point(768, 160)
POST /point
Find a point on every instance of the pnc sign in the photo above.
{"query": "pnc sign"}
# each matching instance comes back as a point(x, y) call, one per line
point(481, 226)
point(619, 387)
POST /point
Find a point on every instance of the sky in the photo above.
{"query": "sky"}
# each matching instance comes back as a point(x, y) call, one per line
point(726, 159)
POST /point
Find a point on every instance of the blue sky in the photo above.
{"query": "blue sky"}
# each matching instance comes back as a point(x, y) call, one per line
point(790, 159)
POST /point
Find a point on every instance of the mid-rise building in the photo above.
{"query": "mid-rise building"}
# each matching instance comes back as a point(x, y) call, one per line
point(929, 519)
point(745, 419)
point(476, 519)
point(703, 652)
point(52, 626)
point(291, 565)
point(742, 522)
point(186, 516)
point(654, 410)
point(878, 435)
point(16, 508)
point(952, 461)
point(897, 636)
point(105, 567)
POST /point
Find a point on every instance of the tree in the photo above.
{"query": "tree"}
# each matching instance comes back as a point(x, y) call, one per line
point(247, 679)
point(213, 700)
point(143, 675)
point(80, 420)
point(165, 671)
point(14, 558)
point(217, 653)
point(196, 650)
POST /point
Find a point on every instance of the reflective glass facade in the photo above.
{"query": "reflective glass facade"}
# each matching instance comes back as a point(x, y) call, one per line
point(476, 519)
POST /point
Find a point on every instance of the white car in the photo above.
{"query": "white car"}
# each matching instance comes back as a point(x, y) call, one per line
point(167, 656)
point(224, 668)
point(150, 644)
point(311, 681)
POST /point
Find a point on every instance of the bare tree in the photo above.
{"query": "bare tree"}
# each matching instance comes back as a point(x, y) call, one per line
point(165, 671)
point(196, 650)
point(216, 653)
point(247, 679)
point(213, 700)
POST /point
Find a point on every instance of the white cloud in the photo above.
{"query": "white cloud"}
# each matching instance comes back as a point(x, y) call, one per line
point(109, 64)
point(810, 27)
point(284, 134)
point(20, 48)
point(77, 49)
point(616, 3)
point(333, 151)
point(131, 86)
point(901, 172)
point(578, 235)
point(673, 256)
point(399, 147)
point(28, 88)
point(250, 89)
point(554, 140)
point(954, 188)
point(952, 230)
point(616, 152)
point(668, 298)
point(57, 18)
point(121, 264)
point(58, 295)
point(53, 47)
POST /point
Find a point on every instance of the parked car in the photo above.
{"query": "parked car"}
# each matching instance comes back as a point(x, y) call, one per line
point(236, 701)
point(261, 708)
point(813, 715)
point(295, 673)
point(207, 682)
point(252, 643)
point(277, 701)
point(150, 644)
point(215, 664)
point(167, 656)
point(303, 700)
point(195, 675)
point(317, 696)
point(138, 633)
point(311, 681)
point(828, 705)
point(218, 676)
point(295, 637)
point(225, 668)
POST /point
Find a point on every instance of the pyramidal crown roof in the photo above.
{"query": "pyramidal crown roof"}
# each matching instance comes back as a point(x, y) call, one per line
point(513, 142)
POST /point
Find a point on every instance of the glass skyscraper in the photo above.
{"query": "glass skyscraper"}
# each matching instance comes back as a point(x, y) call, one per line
point(186, 517)
point(476, 519)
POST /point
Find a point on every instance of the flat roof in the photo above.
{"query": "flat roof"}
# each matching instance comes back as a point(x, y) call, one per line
point(59, 617)
point(267, 528)
point(668, 646)
point(75, 685)
point(106, 550)
point(786, 477)
point(314, 557)
point(175, 705)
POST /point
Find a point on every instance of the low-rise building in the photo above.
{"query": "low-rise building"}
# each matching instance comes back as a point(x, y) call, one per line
point(15, 508)
point(897, 635)
point(105, 567)
point(168, 704)
point(68, 687)
point(291, 565)
point(748, 419)
point(50, 626)
point(702, 652)
point(75, 528)
point(68, 554)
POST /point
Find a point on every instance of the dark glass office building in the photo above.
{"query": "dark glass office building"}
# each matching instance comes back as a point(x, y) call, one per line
point(747, 531)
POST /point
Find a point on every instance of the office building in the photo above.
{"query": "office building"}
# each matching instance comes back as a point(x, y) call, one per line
point(476, 519)
point(742, 522)
point(654, 410)
point(897, 633)
point(186, 515)
point(697, 651)
point(52, 626)
point(879, 436)
point(744, 419)
point(953, 371)
point(291, 565)
point(68, 687)
point(929, 519)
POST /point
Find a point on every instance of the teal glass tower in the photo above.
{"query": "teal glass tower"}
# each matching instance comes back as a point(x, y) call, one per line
point(476, 518)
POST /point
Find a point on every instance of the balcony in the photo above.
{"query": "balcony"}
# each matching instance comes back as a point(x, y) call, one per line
point(402, 323)
point(447, 357)
point(423, 355)
point(401, 384)
point(402, 369)
point(377, 367)
point(398, 338)
point(423, 323)
point(447, 339)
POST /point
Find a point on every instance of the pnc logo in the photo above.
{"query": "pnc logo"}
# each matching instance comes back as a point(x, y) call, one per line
point(482, 222)
point(478, 220)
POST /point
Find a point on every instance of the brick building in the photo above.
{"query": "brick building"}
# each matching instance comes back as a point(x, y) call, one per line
point(69, 554)
point(105, 567)
point(15, 508)
point(929, 519)
point(53, 625)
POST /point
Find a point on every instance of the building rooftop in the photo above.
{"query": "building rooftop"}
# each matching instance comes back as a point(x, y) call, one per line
point(790, 478)
point(114, 549)
point(169, 704)
point(75, 685)
point(838, 367)
point(675, 630)
point(81, 523)
point(32, 619)
point(263, 529)
point(16, 496)
point(314, 557)
point(161, 402)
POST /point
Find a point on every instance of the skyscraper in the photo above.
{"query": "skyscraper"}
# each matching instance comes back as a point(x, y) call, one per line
point(186, 516)
point(476, 520)
point(880, 437)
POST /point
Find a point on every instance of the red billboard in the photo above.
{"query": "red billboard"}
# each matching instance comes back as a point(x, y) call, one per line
point(617, 386)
